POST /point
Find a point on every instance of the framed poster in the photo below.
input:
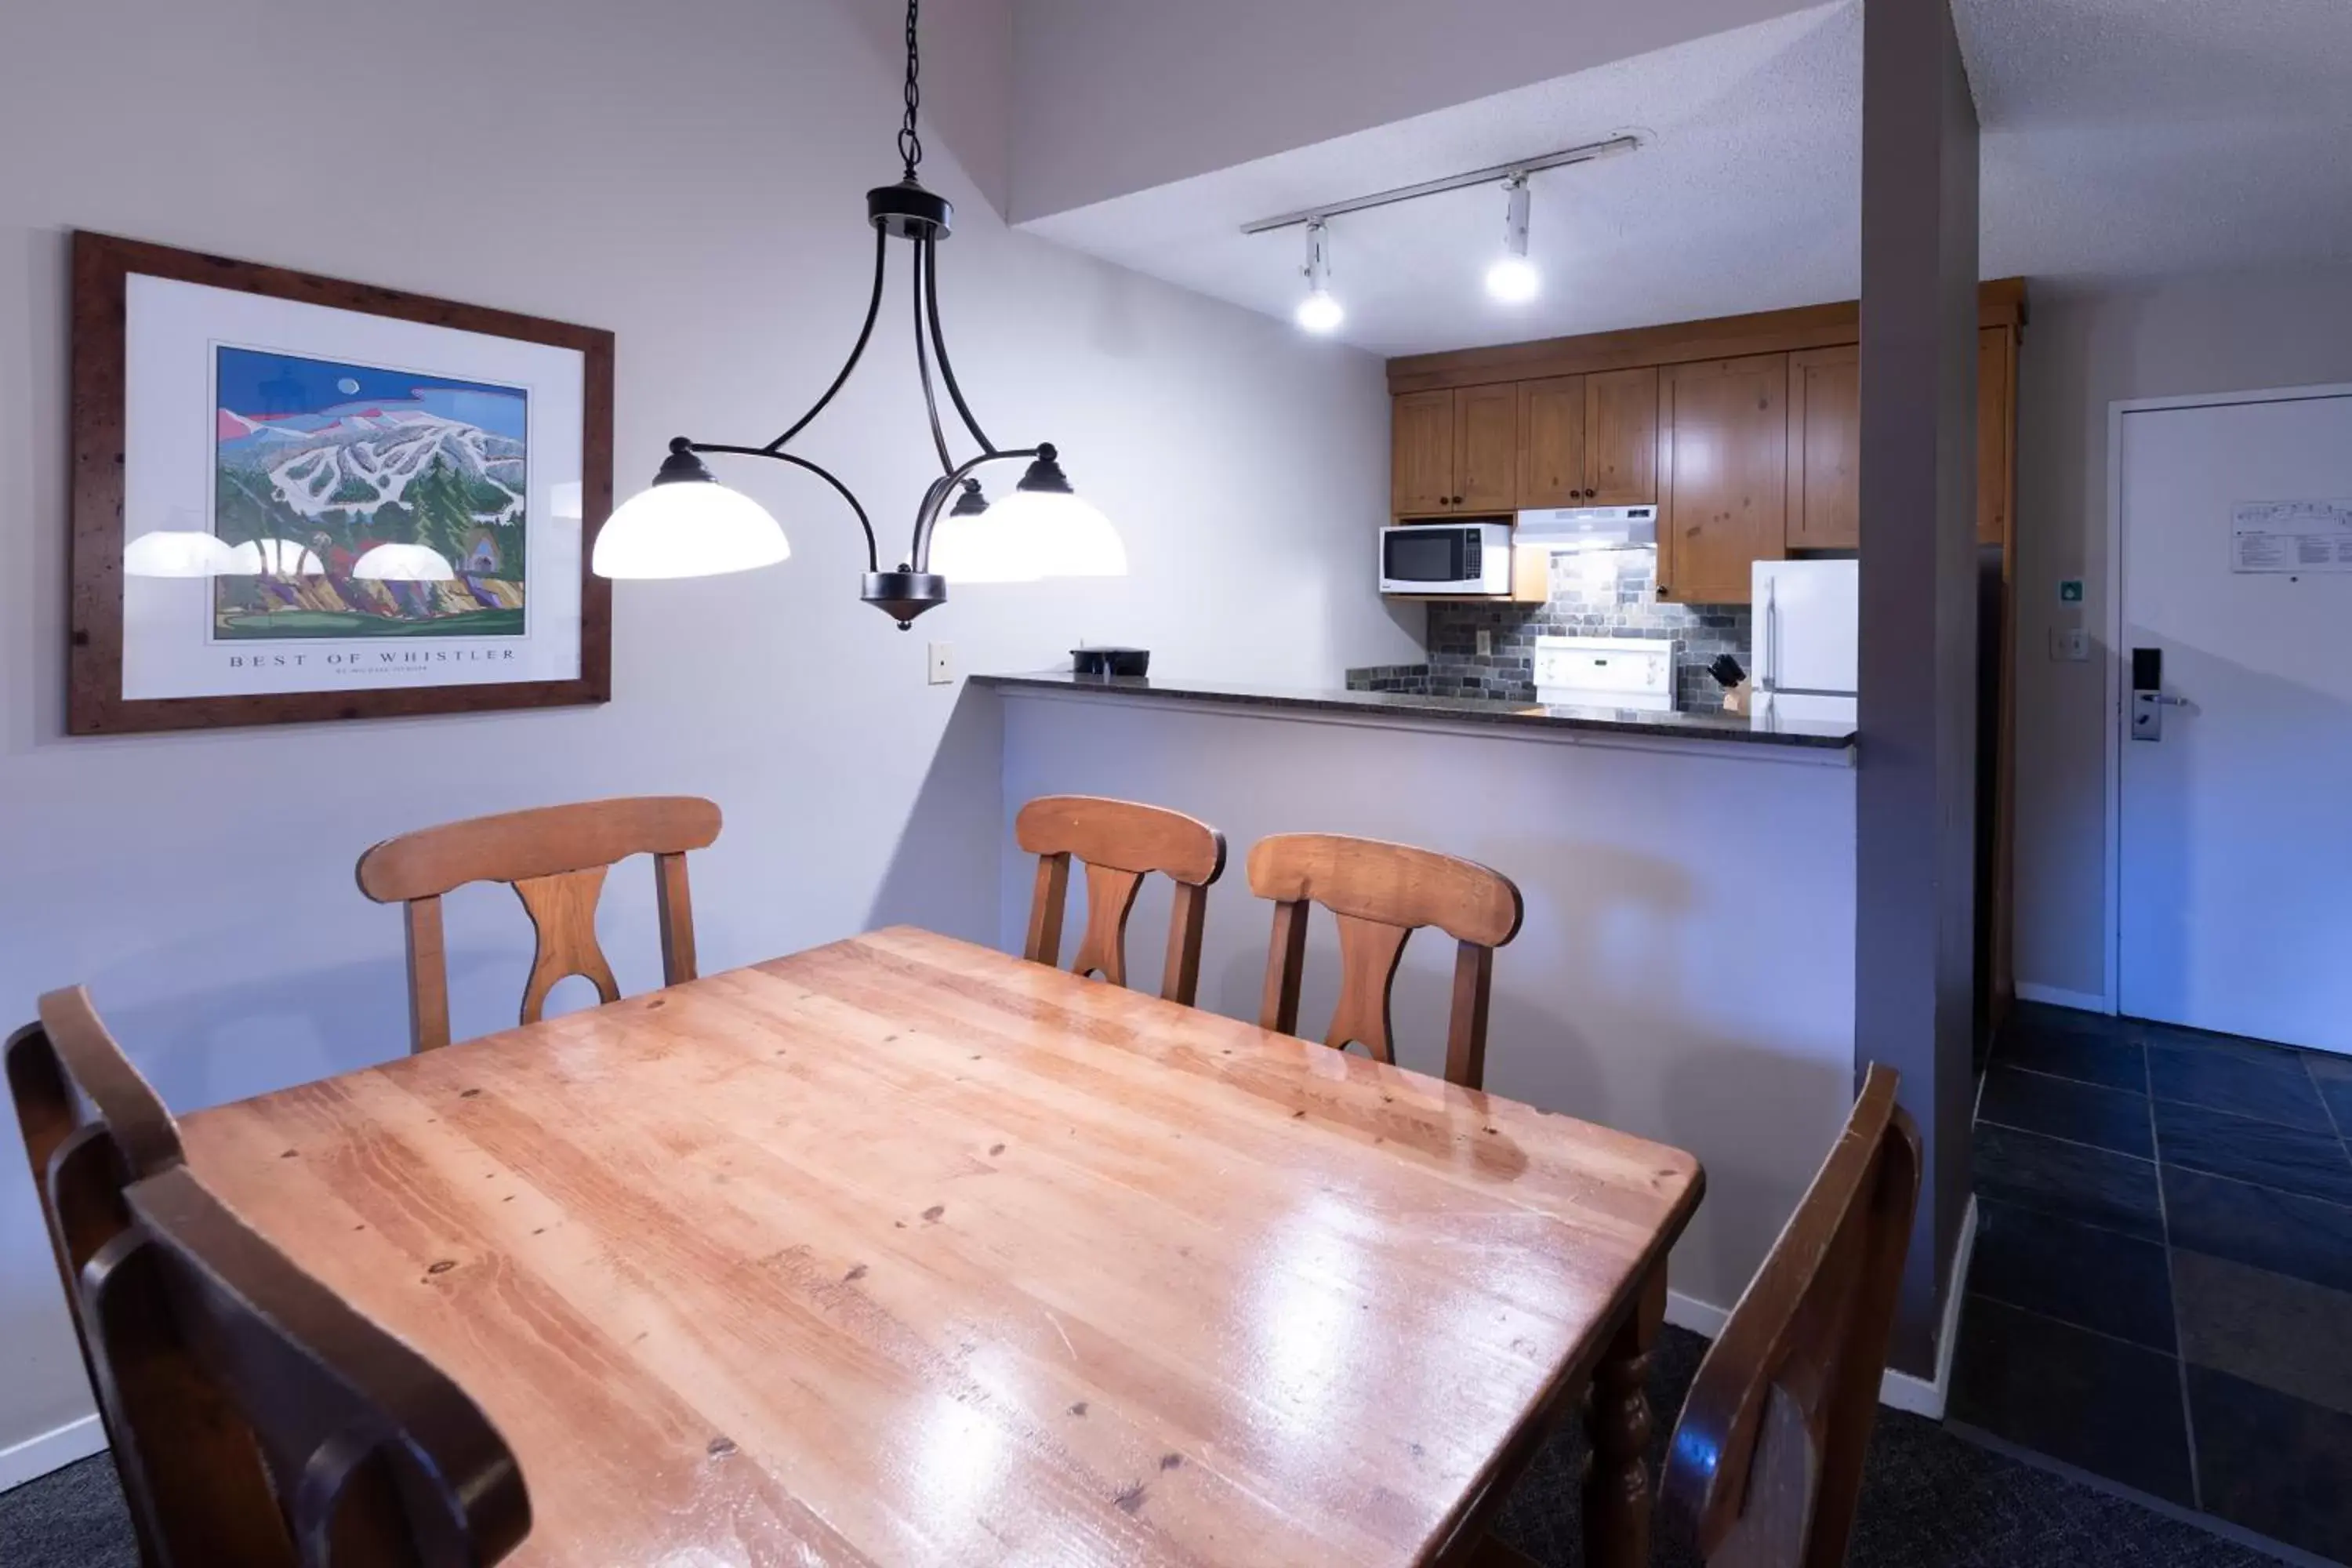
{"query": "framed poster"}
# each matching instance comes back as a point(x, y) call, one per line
point(296, 499)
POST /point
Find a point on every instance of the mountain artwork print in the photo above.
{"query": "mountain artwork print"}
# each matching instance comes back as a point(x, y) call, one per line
point(366, 502)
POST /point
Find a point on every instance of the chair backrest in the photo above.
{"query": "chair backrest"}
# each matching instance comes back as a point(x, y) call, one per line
point(1766, 1465)
point(91, 1126)
point(269, 1423)
point(1120, 843)
point(555, 859)
point(1380, 894)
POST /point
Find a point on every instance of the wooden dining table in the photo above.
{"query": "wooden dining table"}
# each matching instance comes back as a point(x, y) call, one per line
point(901, 1250)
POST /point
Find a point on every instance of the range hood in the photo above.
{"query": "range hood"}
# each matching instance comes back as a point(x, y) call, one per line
point(1573, 529)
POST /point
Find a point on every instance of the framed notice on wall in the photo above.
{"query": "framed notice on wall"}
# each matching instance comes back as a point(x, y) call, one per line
point(296, 499)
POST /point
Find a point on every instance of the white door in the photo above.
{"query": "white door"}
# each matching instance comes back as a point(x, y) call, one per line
point(2234, 830)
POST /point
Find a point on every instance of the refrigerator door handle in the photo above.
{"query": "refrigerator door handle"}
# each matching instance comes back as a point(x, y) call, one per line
point(1771, 673)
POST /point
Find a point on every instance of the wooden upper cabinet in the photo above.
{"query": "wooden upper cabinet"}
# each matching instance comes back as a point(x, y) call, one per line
point(1551, 442)
point(1420, 454)
point(1825, 449)
point(1621, 438)
point(1995, 433)
point(1723, 489)
point(1485, 450)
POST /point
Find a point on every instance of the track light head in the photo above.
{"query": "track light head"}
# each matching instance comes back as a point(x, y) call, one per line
point(1513, 279)
point(1318, 312)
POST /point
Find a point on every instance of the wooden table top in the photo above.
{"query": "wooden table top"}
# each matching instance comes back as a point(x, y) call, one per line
point(902, 1250)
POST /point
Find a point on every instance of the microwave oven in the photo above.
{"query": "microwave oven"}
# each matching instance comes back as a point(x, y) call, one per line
point(1446, 558)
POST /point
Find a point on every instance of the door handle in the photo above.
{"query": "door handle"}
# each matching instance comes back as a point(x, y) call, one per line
point(2148, 699)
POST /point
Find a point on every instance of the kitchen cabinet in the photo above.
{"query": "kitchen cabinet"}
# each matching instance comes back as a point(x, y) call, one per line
point(1995, 433)
point(1621, 438)
point(1589, 440)
point(1486, 450)
point(1825, 449)
point(1455, 454)
point(1551, 442)
point(1825, 438)
point(1420, 453)
point(1593, 421)
point(1723, 480)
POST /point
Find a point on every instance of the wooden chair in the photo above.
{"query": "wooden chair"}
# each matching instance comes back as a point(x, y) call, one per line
point(267, 1423)
point(91, 1125)
point(555, 859)
point(1766, 1466)
point(1120, 842)
point(1380, 894)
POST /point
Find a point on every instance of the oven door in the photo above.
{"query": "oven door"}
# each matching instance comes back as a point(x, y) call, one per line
point(1429, 559)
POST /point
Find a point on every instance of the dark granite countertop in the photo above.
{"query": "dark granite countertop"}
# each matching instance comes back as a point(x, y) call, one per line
point(1472, 710)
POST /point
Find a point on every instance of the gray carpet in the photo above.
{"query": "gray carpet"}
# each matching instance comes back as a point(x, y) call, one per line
point(1931, 1500)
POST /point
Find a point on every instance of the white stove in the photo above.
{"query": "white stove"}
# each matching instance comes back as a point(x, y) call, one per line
point(1606, 672)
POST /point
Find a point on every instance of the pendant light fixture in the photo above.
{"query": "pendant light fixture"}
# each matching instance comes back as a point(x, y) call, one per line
point(688, 524)
point(1318, 312)
point(1513, 280)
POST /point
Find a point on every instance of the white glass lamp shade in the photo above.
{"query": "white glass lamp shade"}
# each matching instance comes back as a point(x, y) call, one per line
point(688, 527)
point(1070, 535)
point(278, 557)
point(179, 552)
point(402, 563)
point(984, 547)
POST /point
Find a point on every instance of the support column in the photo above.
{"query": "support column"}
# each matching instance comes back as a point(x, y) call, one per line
point(1916, 812)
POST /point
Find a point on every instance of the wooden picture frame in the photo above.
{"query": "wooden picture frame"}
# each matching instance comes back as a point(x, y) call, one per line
point(103, 468)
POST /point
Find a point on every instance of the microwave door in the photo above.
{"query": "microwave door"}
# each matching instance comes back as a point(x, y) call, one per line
point(1432, 555)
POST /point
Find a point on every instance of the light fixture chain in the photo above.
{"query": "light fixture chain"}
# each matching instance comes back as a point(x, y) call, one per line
point(910, 144)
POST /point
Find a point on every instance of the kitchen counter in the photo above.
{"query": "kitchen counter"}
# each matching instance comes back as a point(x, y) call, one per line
point(1718, 727)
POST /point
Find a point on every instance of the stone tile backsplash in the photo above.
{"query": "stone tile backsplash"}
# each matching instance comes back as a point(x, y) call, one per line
point(1608, 594)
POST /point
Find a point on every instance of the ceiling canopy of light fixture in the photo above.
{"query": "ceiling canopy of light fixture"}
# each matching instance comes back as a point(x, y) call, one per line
point(688, 524)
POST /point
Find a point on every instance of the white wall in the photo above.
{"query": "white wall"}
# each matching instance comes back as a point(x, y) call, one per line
point(691, 176)
point(2085, 348)
point(1117, 96)
point(1685, 968)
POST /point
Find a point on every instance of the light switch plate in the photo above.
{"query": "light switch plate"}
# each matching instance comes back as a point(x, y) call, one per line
point(1486, 643)
point(2071, 644)
point(943, 663)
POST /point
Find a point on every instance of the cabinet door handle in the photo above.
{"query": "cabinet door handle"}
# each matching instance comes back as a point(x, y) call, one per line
point(1457, 501)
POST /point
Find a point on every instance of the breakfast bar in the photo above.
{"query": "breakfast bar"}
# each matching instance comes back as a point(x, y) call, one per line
point(1684, 971)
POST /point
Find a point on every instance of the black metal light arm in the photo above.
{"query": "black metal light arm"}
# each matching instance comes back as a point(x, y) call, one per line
point(873, 555)
point(939, 343)
point(873, 309)
point(923, 264)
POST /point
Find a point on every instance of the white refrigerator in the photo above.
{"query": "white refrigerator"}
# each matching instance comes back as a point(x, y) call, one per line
point(1806, 623)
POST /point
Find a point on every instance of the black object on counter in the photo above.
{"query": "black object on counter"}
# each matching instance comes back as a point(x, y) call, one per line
point(1121, 661)
point(1727, 671)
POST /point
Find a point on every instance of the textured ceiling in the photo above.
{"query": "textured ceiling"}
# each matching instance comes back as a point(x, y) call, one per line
point(2121, 138)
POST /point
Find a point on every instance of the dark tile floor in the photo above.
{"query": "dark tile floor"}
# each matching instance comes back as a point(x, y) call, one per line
point(2161, 1292)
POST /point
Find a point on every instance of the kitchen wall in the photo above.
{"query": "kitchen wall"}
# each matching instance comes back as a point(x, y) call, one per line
point(691, 177)
point(2085, 348)
point(1607, 594)
point(1603, 594)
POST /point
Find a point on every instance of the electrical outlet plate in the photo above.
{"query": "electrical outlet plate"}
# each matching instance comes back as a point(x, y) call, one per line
point(943, 663)
point(2071, 644)
point(1486, 643)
